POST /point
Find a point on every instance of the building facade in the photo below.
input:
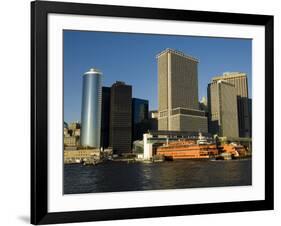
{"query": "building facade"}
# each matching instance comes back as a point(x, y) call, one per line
point(139, 118)
point(240, 82)
point(71, 141)
point(153, 120)
point(203, 104)
point(71, 134)
point(178, 93)
point(250, 115)
point(105, 117)
point(91, 109)
point(80, 155)
point(222, 104)
point(120, 138)
point(153, 114)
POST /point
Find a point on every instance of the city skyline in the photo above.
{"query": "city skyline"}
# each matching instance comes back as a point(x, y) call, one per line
point(132, 58)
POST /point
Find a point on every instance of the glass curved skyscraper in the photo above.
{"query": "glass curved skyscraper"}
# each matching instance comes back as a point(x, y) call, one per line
point(91, 109)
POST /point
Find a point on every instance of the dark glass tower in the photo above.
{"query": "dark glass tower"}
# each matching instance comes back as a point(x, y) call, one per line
point(105, 117)
point(139, 118)
point(121, 118)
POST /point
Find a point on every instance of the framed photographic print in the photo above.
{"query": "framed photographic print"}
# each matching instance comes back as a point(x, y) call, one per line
point(144, 112)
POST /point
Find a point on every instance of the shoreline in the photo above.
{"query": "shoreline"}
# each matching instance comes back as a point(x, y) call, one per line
point(133, 160)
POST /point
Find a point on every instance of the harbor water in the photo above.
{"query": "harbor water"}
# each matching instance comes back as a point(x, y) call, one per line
point(122, 176)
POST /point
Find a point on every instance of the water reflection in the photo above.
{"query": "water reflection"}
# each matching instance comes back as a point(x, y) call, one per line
point(121, 176)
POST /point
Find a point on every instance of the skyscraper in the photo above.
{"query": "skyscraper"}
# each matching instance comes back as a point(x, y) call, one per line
point(91, 109)
point(121, 117)
point(140, 121)
point(178, 93)
point(240, 82)
point(105, 117)
point(223, 117)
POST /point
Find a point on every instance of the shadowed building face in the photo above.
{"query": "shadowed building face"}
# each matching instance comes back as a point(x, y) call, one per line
point(140, 121)
point(105, 117)
point(240, 82)
point(223, 109)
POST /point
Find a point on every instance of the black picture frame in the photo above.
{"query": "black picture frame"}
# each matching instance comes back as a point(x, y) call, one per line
point(39, 112)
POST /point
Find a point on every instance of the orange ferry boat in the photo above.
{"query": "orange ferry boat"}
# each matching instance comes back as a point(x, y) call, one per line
point(187, 150)
point(200, 149)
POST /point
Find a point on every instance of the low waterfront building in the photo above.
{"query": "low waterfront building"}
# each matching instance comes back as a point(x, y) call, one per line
point(74, 125)
point(138, 147)
point(148, 147)
point(73, 129)
point(81, 155)
point(71, 134)
point(76, 133)
point(71, 141)
point(65, 132)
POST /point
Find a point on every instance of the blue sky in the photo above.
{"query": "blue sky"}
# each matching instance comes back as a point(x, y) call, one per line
point(131, 58)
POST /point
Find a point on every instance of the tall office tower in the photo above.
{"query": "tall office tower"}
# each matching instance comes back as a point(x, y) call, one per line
point(239, 80)
point(223, 117)
point(121, 117)
point(91, 109)
point(105, 116)
point(140, 121)
point(178, 93)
